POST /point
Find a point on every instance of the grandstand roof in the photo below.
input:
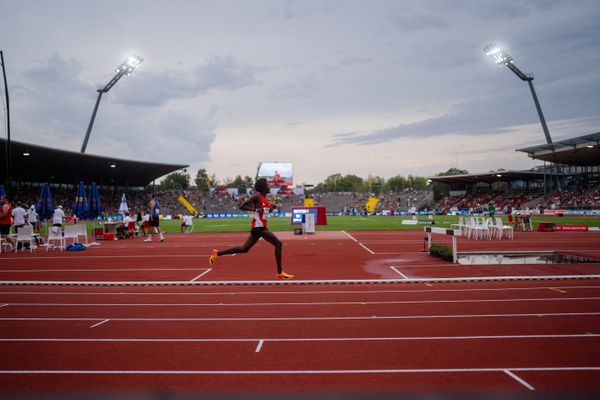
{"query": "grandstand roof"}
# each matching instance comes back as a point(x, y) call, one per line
point(44, 164)
point(490, 177)
point(579, 151)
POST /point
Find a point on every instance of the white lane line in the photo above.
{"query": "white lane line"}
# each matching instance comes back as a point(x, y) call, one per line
point(518, 379)
point(306, 339)
point(346, 318)
point(202, 274)
point(464, 279)
point(350, 236)
point(281, 292)
point(260, 344)
point(399, 272)
point(289, 372)
point(3, 305)
point(366, 248)
point(100, 323)
point(116, 269)
point(308, 303)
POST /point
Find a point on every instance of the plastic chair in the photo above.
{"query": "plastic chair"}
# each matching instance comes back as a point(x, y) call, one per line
point(54, 234)
point(24, 235)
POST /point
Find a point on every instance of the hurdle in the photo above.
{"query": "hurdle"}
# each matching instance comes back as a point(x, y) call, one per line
point(443, 231)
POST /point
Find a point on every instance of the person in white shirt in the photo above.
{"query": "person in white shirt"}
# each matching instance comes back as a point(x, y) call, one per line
point(122, 229)
point(32, 219)
point(18, 214)
point(187, 223)
point(58, 217)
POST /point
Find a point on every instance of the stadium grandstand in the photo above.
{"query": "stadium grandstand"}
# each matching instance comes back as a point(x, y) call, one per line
point(568, 179)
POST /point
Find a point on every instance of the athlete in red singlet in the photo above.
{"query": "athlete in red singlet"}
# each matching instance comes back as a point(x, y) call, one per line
point(261, 207)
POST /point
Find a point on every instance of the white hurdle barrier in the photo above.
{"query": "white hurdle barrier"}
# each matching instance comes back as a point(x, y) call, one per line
point(443, 231)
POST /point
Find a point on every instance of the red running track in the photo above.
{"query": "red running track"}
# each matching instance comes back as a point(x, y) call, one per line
point(508, 336)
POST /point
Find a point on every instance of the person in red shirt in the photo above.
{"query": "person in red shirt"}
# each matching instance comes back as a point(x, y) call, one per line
point(261, 207)
point(6, 219)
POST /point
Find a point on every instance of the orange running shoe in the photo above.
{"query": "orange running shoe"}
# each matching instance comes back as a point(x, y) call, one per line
point(213, 257)
point(283, 275)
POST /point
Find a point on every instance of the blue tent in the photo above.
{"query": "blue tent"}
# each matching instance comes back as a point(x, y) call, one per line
point(81, 207)
point(45, 205)
point(95, 208)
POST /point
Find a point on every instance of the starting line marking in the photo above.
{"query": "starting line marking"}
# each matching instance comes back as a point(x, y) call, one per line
point(518, 379)
point(301, 282)
point(289, 372)
point(399, 272)
point(260, 343)
point(207, 270)
point(100, 323)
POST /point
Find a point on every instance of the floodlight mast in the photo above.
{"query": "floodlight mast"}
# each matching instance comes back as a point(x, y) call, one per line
point(501, 57)
point(126, 68)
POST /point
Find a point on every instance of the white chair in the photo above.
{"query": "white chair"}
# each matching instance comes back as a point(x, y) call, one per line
point(54, 234)
point(5, 245)
point(24, 235)
point(75, 232)
point(500, 229)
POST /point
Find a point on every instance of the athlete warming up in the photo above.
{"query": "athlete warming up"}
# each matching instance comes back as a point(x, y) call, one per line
point(261, 207)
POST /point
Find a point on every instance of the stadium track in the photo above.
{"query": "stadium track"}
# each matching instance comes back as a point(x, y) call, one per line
point(146, 335)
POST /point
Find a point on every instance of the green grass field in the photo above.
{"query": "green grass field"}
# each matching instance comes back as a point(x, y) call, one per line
point(350, 223)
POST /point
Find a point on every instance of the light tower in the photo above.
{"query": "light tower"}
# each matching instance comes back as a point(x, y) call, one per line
point(500, 57)
point(126, 68)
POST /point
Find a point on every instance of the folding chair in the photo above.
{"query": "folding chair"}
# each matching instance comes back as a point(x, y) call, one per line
point(131, 231)
point(82, 231)
point(54, 234)
point(24, 235)
point(71, 232)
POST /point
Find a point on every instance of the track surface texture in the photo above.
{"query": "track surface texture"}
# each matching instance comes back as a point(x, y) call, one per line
point(367, 313)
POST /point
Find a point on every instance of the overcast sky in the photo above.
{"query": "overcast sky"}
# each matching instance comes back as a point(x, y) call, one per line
point(381, 87)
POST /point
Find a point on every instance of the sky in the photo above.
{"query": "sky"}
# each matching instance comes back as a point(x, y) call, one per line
point(377, 87)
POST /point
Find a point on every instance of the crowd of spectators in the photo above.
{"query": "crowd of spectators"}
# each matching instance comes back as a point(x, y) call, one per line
point(345, 203)
point(569, 198)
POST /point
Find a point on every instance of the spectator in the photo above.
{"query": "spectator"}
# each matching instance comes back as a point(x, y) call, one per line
point(32, 219)
point(6, 219)
point(57, 218)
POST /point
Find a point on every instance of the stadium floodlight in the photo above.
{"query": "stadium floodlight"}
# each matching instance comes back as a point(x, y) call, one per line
point(501, 57)
point(126, 68)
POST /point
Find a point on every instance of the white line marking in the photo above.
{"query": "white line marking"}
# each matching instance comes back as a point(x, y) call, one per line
point(366, 248)
point(280, 292)
point(349, 235)
point(100, 323)
point(116, 269)
point(289, 372)
point(307, 281)
point(346, 318)
point(202, 274)
point(304, 303)
point(317, 339)
point(260, 344)
point(401, 274)
point(518, 379)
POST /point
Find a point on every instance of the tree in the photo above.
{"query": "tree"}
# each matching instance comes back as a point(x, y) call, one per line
point(176, 180)
point(396, 183)
point(203, 181)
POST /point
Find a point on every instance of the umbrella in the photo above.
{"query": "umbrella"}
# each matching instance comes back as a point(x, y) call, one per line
point(45, 204)
point(81, 206)
point(2, 191)
point(123, 207)
point(95, 201)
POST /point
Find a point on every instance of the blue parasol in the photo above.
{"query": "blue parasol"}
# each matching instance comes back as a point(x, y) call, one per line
point(95, 208)
point(81, 206)
point(45, 205)
point(2, 191)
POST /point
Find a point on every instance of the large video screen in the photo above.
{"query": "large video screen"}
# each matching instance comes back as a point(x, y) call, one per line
point(278, 174)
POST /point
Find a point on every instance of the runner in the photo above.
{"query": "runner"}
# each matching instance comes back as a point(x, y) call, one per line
point(261, 207)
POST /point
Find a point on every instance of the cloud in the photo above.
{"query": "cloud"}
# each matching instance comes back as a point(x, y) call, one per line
point(153, 89)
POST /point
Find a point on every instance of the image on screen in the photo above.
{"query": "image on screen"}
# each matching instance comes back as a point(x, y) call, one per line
point(277, 174)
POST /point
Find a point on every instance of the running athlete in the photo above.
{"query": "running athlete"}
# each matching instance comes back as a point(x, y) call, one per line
point(261, 207)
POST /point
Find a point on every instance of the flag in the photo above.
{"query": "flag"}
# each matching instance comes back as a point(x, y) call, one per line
point(45, 205)
point(81, 206)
